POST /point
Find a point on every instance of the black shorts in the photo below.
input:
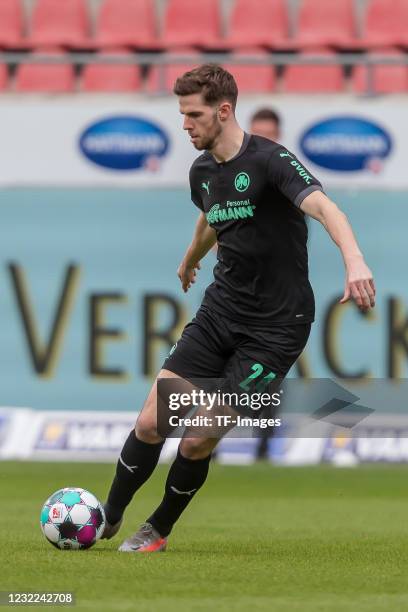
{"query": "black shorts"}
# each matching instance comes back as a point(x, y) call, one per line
point(245, 357)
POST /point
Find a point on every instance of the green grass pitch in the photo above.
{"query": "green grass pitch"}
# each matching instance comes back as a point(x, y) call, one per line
point(255, 538)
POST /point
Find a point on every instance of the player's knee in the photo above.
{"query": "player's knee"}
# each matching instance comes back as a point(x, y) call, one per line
point(196, 448)
point(146, 429)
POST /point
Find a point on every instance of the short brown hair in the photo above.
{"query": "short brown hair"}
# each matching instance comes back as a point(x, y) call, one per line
point(212, 81)
point(266, 114)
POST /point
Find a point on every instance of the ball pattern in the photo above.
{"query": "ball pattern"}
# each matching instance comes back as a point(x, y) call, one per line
point(72, 519)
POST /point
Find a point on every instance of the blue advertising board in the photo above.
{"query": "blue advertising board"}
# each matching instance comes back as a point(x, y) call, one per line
point(346, 143)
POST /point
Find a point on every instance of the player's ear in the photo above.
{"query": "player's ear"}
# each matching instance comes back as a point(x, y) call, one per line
point(224, 111)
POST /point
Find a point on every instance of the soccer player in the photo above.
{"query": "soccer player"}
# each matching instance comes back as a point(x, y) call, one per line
point(252, 195)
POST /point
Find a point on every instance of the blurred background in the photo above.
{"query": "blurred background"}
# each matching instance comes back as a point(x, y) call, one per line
point(96, 211)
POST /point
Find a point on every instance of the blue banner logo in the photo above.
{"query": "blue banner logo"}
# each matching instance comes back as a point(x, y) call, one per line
point(125, 143)
point(346, 144)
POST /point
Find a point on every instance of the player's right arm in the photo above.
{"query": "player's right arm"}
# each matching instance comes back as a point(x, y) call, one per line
point(203, 240)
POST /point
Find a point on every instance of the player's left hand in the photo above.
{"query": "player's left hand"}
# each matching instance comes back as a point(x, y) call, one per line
point(359, 285)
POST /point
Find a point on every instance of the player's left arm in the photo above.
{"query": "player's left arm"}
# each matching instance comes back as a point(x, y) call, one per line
point(359, 284)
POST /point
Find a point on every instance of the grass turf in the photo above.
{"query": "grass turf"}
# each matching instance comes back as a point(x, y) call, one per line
point(259, 538)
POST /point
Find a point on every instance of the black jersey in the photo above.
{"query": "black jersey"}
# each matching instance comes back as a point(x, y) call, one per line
point(252, 201)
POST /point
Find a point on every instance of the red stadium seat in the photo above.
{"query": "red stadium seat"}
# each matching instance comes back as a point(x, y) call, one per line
point(127, 23)
point(162, 78)
point(11, 23)
point(3, 77)
point(386, 23)
point(111, 77)
point(188, 23)
point(264, 25)
point(386, 78)
point(314, 78)
point(60, 22)
point(326, 23)
point(252, 78)
point(47, 78)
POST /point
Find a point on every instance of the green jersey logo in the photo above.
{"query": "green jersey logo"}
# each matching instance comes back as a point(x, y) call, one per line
point(233, 211)
point(242, 181)
point(173, 348)
point(206, 186)
point(299, 168)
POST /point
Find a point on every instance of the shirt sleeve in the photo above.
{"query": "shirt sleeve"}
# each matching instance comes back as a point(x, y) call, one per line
point(290, 177)
point(195, 193)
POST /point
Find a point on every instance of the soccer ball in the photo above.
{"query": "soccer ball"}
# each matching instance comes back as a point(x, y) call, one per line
point(72, 518)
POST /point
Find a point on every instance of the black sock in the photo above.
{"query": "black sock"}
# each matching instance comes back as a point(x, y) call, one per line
point(185, 478)
point(135, 465)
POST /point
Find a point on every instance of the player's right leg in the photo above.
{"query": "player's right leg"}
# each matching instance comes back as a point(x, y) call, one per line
point(186, 477)
point(137, 460)
point(200, 353)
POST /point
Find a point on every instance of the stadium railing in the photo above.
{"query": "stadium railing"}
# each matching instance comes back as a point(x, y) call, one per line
point(146, 60)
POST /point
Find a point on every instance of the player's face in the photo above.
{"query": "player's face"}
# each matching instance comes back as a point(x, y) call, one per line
point(266, 128)
point(201, 121)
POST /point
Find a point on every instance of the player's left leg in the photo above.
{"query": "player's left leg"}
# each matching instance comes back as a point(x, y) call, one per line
point(186, 476)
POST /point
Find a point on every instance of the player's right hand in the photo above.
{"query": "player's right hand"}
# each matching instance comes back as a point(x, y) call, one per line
point(187, 274)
